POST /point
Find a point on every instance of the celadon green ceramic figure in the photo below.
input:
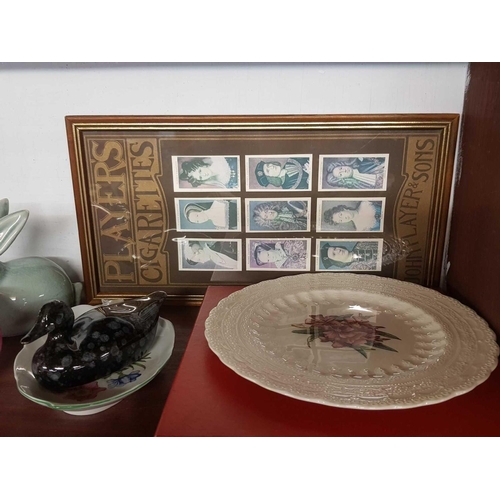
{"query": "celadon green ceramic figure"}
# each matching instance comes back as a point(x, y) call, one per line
point(26, 284)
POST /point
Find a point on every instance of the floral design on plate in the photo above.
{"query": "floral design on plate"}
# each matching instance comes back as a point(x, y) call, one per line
point(355, 332)
point(127, 378)
point(117, 379)
point(124, 379)
point(84, 392)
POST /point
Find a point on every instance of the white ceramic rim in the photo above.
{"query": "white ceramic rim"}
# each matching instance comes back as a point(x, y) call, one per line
point(216, 332)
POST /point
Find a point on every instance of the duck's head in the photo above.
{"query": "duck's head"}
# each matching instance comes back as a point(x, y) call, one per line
point(55, 317)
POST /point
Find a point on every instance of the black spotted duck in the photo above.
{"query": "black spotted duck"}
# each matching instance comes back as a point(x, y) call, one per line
point(100, 341)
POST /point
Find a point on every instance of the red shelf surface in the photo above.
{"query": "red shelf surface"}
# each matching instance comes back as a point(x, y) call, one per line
point(209, 399)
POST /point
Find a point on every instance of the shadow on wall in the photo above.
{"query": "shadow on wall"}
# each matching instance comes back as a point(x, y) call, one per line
point(69, 270)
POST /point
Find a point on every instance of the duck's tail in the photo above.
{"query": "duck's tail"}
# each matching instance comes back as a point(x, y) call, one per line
point(144, 309)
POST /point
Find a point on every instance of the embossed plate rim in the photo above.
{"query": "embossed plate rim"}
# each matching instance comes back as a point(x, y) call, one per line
point(486, 350)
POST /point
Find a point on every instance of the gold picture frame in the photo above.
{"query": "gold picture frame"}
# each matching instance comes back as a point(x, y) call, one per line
point(135, 190)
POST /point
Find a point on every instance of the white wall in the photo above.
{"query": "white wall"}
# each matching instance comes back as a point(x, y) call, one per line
point(34, 99)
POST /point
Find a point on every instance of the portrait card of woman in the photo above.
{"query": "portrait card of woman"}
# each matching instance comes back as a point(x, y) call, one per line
point(278, 215)
point(353, 172)
point(349, 255)
point(208, 214)
point(350, 215)
point(284, 254)
point(278, 172)
point(204, 254)
point(206, 173)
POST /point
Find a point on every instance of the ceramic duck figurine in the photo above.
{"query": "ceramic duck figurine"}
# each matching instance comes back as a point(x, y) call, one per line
point(100, 342)
point(26, 284)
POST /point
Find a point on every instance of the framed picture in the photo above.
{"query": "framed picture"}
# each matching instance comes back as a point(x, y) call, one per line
point(353, 172)
point(208, 214)
point(289, 172)
point(283, 254)
point(206, 173)
point(350, 215)
point(203, 254)
point(278, 215)
point(349, 255)
point(182, 203)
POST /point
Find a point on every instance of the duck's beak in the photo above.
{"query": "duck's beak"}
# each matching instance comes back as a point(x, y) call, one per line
point(51, 314)
point(39, 330)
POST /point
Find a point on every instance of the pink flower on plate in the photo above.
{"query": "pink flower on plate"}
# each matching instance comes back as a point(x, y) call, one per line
point(346, 331)
point(342, 338)
point(84, 392)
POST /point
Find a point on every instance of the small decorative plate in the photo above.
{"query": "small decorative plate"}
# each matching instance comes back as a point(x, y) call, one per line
point(353, 341)
point(100, 395)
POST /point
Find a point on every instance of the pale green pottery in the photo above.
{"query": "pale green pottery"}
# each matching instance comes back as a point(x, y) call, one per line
point(26, 284)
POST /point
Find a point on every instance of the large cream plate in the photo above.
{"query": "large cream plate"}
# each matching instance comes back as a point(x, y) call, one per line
point(379, 344)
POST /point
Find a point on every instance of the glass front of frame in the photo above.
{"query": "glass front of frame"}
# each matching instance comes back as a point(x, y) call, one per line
point(181, 203)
